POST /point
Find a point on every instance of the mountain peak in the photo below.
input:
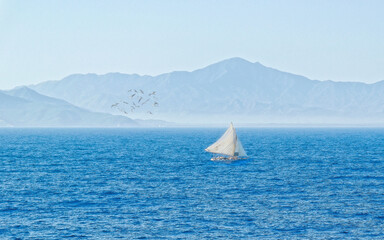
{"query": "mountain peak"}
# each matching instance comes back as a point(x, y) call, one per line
point(31, 95)
point(23, 91)
point(234, 61)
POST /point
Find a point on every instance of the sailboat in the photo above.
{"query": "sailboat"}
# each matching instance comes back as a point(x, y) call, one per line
point(228, 147)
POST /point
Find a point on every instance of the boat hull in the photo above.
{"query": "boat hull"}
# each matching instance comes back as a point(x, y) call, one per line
point(227, 159)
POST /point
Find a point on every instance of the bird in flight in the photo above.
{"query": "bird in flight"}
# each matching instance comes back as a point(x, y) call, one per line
point(114, 105)
point(145, 102)
point(138, 98)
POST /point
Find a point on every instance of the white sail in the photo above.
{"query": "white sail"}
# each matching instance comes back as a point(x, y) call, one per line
point(239, 151)
point(226, 144)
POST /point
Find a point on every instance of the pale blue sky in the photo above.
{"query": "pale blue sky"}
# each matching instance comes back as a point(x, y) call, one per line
point(48, 40)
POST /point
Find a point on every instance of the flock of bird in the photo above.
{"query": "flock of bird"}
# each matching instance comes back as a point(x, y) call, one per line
point(137, 99)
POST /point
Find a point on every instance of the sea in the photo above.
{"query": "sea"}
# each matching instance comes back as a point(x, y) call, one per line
point(159, 183)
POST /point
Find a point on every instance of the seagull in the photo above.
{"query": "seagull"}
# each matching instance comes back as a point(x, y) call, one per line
point(153, 93)
point(125, 102)
point(133, 95)
point(114, 105)
point(149, 112)
point(145, 102)
point(140, 99)
point(155, 104)
point(130, 90)
point(141, 91)
point(135, 90)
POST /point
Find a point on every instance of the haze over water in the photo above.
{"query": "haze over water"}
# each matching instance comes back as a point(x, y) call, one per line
point(160, 184)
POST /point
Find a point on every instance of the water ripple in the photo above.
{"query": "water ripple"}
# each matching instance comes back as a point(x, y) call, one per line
point(159, 184)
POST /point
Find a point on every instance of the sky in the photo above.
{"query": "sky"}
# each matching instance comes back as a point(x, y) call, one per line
point(44, 40)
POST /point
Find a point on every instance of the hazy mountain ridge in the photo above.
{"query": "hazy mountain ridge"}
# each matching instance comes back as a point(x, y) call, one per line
point(23, 107)
point(233, 89)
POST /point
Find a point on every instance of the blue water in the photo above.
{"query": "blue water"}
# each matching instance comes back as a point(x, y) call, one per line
point(160, 184)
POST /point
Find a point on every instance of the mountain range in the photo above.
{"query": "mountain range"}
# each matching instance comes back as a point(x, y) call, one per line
point(23, 107)
point(231, 90)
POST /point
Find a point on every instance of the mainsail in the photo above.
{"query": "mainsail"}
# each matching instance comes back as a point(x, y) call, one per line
point(228, 144)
